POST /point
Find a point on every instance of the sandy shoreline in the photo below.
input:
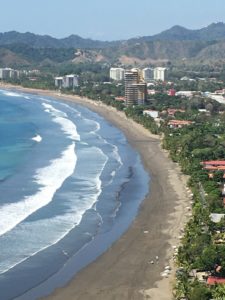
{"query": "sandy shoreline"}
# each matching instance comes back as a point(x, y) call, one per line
point(124, 271)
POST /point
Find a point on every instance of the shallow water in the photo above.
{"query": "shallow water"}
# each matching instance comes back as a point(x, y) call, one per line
point(70, 186)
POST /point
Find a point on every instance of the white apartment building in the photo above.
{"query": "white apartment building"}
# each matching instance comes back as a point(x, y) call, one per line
point(148, 74)
point(67, 81)
point(116, 74)
point(7, 73)
point(59, 82)
point(70, 81)
point(160, 73)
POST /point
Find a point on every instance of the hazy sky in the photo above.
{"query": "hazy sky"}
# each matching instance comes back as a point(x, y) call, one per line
point(105, 19)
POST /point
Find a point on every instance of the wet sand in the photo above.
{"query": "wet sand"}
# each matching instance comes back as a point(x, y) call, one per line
point(129, 270)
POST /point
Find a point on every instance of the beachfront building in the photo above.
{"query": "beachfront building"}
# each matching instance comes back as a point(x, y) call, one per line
point(187, 94)
point(148, 74)
point(160, 73)
point(59, 82)
point(67, 81)
point(178, 123)
point(8, 73)
point(116, 74)
point(70, 81)
point(135, 88)
point(214, 165)
point(171, 111)
point(151, 113)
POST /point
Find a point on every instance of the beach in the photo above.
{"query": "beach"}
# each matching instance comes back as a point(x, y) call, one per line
point(131, 267)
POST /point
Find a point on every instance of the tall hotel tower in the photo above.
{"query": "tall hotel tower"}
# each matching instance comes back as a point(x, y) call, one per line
point(135, 88)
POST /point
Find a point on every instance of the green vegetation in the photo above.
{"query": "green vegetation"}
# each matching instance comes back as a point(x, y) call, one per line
point(203, 242)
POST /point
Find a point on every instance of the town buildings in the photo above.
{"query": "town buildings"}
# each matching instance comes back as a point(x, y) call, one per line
point(67, 81)
point(160, 74)
point(135, 88)
point(8, 73)
point(178, 123)
point(148, 74)
point(116, 74)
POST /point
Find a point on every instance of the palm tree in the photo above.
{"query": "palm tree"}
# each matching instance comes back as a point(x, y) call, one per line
point(219, 292)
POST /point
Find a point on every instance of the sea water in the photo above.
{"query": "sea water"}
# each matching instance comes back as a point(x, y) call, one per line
point(70, 185)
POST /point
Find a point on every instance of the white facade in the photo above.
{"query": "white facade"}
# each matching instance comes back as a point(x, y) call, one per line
point(67, 81)
point(7, 73)
point(70, 81)
point(116, 74)
point(160, 74)
point(59, 82)
point(187, 94)
point(148, 74)
point(152, 113)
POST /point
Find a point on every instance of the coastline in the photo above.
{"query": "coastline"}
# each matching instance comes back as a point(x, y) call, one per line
point(124, 271)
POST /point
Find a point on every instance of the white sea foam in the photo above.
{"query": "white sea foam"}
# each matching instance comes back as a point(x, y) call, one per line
point(30, 239)
point(61, 118)
point(116, 154)
point(49, 179)
point(12, 94)
point(37, 138)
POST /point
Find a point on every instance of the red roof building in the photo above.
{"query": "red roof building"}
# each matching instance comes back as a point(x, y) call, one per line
point(214, 165)
point(214, 162)
point(171, 111)
point(171, 92)
point(122, 99)
point(178, 123)
point(215, 280)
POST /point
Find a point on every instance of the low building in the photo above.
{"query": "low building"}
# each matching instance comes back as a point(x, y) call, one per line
point(187, 94)
point(178, 123)
point(151, 92)
point(152, 113)
point(171, 111)
point(212, 280)
point(216, 218)
point(172, 92)
point(217, 97)
point(121, 99)
point(214, 165)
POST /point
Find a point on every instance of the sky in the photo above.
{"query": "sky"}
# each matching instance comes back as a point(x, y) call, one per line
point(106, 19)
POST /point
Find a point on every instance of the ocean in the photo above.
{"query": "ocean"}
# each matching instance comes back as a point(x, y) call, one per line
point(70, 185)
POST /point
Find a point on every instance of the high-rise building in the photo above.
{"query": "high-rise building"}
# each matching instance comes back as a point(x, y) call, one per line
point(8, 73)
point(160, 74)
point(116, 74)
point(5, 73)
point(67, 81)
point(148, 74)
point(135, 88)
point(59, 82)
point(70, 81)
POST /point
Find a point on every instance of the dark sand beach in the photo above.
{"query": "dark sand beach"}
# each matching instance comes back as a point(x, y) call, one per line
point(129, 268)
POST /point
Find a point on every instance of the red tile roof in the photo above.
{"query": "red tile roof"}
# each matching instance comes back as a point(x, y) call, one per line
point(214, 162)
point(172, 111)
point(179, 122)
point(215, 280)
point(215, 168)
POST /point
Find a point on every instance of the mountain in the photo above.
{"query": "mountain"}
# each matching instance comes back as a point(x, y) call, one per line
point(175, 44)
point(46, 41)
point(215, 31)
